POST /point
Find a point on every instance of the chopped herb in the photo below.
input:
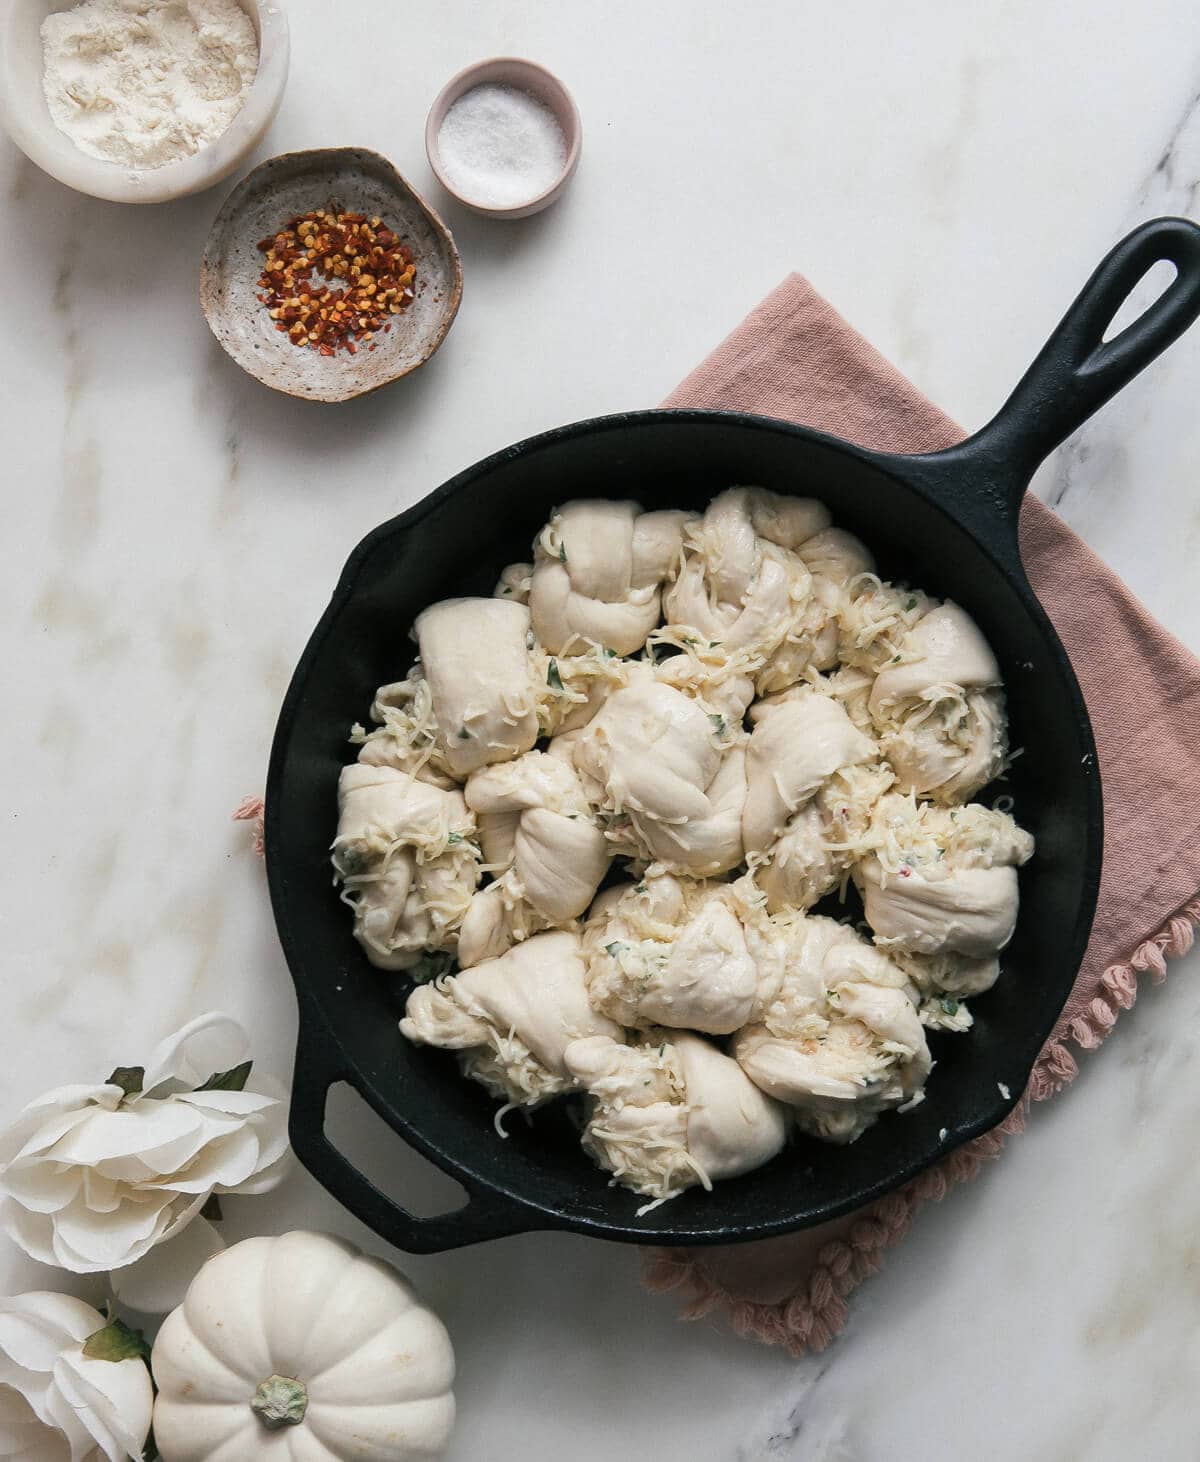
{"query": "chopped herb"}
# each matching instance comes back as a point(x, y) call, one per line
point(614, 949)
point(562, 553)
point(689, 639)
point(463, 734)
point(895, 660)
point(714, 644)
point(639, 888)
point(454, 839)
point(553, 678)
point(718, 724)
point(910, 602)
point(506, 589)
point(949, 1004)
point(609, 654)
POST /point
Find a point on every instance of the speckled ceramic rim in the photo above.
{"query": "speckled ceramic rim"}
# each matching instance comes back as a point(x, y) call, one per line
point(530, 77)
point(26, 117)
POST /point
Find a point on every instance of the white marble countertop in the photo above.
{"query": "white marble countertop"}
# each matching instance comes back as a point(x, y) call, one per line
point(948, 176)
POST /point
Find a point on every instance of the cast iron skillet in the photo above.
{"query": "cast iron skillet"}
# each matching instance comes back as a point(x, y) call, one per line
point(946, 520)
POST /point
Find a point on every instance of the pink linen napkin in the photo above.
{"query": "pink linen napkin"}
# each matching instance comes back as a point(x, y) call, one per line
point(795, 357)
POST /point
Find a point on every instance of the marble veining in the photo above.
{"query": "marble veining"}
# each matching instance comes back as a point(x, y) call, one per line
point(947, 176)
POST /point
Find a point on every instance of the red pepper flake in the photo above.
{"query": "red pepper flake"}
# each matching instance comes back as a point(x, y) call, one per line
point(374, 272)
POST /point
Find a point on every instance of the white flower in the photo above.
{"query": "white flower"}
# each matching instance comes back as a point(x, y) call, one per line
point(57, 1404)
point(156, 1283)
point(91, 1178)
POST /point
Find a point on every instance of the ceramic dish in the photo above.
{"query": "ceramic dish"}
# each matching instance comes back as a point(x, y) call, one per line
point(947, 521)
point(27, 119)
point(525, 76)
point(294, 183)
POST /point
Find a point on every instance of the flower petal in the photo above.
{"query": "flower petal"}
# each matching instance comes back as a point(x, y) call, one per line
point(24, 1437)
point(225, 1163)
point(267, 1179)
point(205, 1046)
point(158, 1281)
point(135, 1130)
point(34, 1232)
point(113, 1399)
point(85, 1241)
point(42, 1187)
point(232, 1103)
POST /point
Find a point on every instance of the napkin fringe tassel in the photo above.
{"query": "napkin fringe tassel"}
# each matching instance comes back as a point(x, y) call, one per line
point(253, 810)
point(809, 1320)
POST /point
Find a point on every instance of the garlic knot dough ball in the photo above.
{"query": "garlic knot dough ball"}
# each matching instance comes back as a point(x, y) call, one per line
point(475, 658)
point(404, 854)
point(942, 880)
point(538, 833)
point(741, 584)
point(842, 1040)
point(598, 570)
point(813, 779)
point(939, 709)
point(654, 756)
point(512, 1018)
point(676, 952)
point(671, 1111)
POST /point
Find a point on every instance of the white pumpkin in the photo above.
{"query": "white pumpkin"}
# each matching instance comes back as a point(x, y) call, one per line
point(301, 1349)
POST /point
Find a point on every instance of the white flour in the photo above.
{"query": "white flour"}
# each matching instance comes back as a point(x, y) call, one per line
point(144, 82)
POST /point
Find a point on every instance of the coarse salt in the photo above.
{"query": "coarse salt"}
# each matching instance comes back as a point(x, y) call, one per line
point(500, 147)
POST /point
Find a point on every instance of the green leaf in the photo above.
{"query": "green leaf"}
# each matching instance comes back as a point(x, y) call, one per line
point(609, 654)
point(212, 1209)
point(718, 724)
point(614, 948)
point(910, 602)
point(454, 839)
point(116, 1342)
point(949, 1004)
point(463, 734)
point(553, 678)
point(562, 553)
point(234, 1080)
point(131, 1079)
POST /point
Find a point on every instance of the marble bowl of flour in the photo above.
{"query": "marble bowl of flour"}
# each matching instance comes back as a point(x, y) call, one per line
point(26, 115)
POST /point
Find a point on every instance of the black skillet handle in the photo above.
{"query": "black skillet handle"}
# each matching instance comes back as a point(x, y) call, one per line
point(1075, 373)
point(482, 1217)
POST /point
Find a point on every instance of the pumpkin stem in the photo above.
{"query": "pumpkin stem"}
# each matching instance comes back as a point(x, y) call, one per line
point(280, 1401)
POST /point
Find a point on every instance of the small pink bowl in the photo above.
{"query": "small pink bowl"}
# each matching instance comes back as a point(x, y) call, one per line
point(527, 76)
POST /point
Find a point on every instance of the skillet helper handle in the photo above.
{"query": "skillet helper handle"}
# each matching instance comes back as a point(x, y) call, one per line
point(1077, 370)
point(482, 1217)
